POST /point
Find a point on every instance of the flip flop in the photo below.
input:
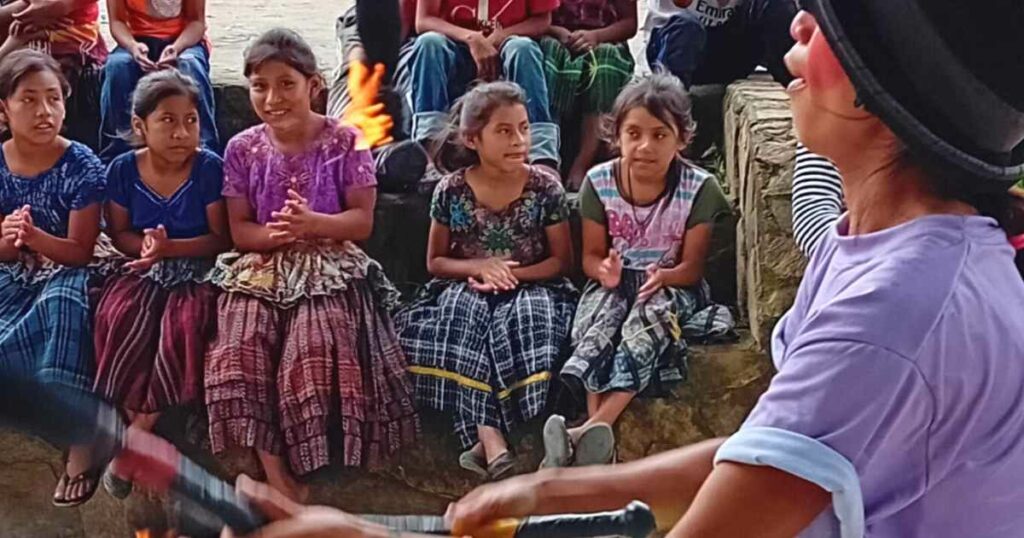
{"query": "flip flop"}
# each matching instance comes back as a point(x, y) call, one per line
point(502, 467)
point(473, 462)
point(90, 477)
point(61, 489)
point(558, 451)
point(595, 446)
point(116, 486)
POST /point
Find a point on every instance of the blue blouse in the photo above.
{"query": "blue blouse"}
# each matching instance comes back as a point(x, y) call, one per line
point(183, 214)
point(75, 182)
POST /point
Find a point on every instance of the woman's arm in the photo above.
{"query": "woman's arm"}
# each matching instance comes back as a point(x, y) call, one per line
point(208, 245)
point(77, 249)
point(439, 264)
point(746, 500)
point(428, 19)
point(193, 11)
point(558, 264)
point(119, 29)
point(595, 247)
point(8, 252)
point(119, 226)
point(696, 243)
point(623, 29)
point(817, 198)
point(247, 234)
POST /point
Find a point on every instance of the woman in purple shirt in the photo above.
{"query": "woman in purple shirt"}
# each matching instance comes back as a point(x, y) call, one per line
point(898, 408)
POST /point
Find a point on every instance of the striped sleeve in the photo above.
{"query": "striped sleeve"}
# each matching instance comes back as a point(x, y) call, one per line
point(817, 198)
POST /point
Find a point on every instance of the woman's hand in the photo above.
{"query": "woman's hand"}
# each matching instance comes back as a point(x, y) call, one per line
point(610, 271)
point(168, 58)
point(515, 497)
point(485, 55)
point(155, 245)
point(289, 519)
point(295, 221)
point(140, 53)
point(656, 279)
point(582, 41)
point(494, 275)
point(18, 227)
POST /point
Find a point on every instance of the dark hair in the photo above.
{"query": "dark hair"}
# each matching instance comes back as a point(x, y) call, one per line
point(467, 119)
point(281, 45)
point(664, 97)
point(22, 63)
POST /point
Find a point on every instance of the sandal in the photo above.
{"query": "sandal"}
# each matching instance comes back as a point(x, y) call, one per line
point(474, 461)
point(61, 489)
point(90, 478)
point(595, 446)
point(558, 449)
point(502, 467)
point(116, 486)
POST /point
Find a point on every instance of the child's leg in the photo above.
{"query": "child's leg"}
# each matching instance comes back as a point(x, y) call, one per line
point(441, 69)
point(678, 46)
point(609, 68)
point(590, 143)
point(195, 62)
point(609, 410)
point(492, 441)
point(121, 74)
point(523, 63)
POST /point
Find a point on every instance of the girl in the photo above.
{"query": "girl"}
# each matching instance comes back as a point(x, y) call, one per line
point(165, 211)
point(484, 336)
point(587, 62)
point(50, 195)
point(154, 35)
point(647, 221)
point(304, 341)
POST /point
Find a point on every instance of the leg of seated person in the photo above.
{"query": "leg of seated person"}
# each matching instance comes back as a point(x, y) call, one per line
point(120, 76)
point(523, 63)
point(441, 70)
point(678, 46)
point(195, 62)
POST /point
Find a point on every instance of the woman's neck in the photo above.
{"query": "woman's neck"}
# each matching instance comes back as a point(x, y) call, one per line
point(291, 140)
point(33, 157)
point(490, 172)
point(162, 166)
point(887, 195)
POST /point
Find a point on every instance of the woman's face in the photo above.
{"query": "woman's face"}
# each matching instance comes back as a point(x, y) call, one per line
point(281, 95)
point(172, 130)
point(35, 111)
point(825, 114)
point(648, 145)
point(505, 141)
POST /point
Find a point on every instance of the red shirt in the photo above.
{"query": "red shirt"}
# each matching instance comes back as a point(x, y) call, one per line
point(469, 13)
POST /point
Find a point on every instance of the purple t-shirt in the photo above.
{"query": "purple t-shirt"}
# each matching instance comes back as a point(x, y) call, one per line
point(900, 384)
point(254, 169)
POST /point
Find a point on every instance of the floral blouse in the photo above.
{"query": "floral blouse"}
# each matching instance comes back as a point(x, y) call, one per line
point(516, 232)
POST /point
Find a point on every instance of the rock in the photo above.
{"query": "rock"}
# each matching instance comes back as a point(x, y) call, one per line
point(25, 507)
point(759, 153)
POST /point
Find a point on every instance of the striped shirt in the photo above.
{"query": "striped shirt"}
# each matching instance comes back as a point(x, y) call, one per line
point(817, 198)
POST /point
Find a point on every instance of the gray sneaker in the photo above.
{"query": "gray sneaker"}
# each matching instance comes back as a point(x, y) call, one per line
point(558, 450)
point(595, 446)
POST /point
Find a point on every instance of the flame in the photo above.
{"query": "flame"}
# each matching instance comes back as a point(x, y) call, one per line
point(143, 533)
point(365, 112)
point(146, 533)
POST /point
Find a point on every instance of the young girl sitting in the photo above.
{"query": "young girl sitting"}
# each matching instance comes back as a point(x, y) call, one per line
point(587, 62)
point(50, 195)
point(154, 35)
point(166, 213)
point(647, 220)
point(304, 341)
point(484, 336)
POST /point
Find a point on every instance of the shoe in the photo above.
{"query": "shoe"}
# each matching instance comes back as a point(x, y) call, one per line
point(595, 446)
point(116, 486)
point(502, 467)
point(474, 462)
point(557, 443)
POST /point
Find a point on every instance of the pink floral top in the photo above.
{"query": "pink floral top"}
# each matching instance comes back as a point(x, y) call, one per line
point(255, 169)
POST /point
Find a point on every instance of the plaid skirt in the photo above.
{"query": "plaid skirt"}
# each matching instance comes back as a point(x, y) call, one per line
point(486, 359)
point(45, 325)
point(597, 76)
point(280, 375)
point(621, 345)
point(150, 340)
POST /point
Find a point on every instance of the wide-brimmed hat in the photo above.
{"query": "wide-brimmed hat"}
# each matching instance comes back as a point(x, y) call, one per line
point(947, 76)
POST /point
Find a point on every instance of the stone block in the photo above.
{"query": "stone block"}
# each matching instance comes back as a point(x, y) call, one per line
point(760, 149)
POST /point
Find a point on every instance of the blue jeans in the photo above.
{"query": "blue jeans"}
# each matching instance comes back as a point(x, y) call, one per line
point(120, 76)
point(757, 34)
point(442, 70)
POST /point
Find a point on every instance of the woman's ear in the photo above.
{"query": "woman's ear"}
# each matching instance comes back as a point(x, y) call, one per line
point(471, 142)
point(317, 84)
point(139, 129)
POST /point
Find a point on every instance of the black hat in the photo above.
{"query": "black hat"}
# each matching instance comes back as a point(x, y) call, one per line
point(947, 76)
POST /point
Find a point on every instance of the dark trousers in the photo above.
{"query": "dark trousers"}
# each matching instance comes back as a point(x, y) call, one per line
point(756, 34)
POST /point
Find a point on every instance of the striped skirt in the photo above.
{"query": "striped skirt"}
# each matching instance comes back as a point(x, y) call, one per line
point(590, 81)
point(280, 376)
point(45, 326)
point(150, 341)
point(486, 359)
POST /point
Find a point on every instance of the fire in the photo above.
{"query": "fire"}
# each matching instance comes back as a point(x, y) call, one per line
point(366, 112)
point(146, 533)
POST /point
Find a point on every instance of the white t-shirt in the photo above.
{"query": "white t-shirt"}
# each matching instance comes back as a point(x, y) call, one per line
point(711, 12)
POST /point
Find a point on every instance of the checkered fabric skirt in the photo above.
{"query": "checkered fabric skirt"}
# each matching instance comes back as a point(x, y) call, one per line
point(587, 83)
point(45, 325)
point(487, 359)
